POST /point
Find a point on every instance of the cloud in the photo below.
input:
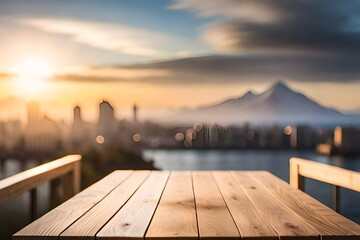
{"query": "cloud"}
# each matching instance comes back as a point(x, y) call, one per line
point(108, 36)
point(247, 69)
point(5, 75)
point(225, 69)
point(296, 27)
point(109, 74)
point(258, 11)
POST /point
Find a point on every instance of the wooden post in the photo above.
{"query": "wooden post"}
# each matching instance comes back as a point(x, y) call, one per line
point(336, 198)
point(2, 166)
point(70, 182)
point(33, 203)
point(54, 192)
point(296, 180)
point(77, 177)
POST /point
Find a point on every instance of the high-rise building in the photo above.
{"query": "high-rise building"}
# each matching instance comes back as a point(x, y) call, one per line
point(33, 112)
point(107, 121)
point(77, 115)
point(82, 133)
point(347, 140)
point(135, 113)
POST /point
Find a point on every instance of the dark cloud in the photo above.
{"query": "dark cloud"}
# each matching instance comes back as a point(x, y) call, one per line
point(86, 78)
point(297, 40)
point(230, 69)
point(223, 69)
point(297, 26)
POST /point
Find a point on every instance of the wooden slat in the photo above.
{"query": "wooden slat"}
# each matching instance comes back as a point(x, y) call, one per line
point(89, 224)
point(175, 217)
point(325, 173)
point(326, 221)
point(134, 217)
point(249, 221)
point(287, 224)
point(214, 219)
point(29, 179)
point(52, 224)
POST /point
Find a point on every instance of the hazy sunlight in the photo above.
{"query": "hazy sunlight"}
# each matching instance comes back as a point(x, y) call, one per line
point(31, 75)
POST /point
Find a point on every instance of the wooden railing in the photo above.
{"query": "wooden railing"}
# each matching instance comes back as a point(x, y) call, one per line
point(66, 168)
point(338, 177)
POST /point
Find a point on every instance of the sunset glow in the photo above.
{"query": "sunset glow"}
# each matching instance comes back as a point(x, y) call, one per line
point(202, 54)
point(31, 75)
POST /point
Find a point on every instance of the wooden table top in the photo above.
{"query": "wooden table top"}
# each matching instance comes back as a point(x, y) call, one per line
point(191, 205)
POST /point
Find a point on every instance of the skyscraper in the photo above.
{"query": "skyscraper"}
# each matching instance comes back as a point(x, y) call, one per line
point(135, 113)
point(77, 115)
point(107, 122)
point(33, 112)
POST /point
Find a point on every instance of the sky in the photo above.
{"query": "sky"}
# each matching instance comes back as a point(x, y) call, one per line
point(177, 53)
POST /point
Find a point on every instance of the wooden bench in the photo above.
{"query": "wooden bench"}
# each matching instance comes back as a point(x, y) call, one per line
point(191, 205)
point(338, 177)
point(66, 168)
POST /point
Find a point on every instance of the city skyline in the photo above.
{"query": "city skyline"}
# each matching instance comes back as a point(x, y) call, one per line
point(278, 104)
point(185, 53)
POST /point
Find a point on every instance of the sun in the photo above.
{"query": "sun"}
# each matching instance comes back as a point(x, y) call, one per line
point(31, 76)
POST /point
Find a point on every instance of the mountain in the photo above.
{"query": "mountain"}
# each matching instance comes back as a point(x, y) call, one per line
point(279, 104)
point(355, 111)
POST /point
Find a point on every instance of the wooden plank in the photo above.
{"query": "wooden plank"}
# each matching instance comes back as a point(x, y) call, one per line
point(327, 222)
point(284, 221)
point(90, 223)
point(175, 217)
point(52, 224)
point(325, 173)
point(214, 218)
point(134, 217)
point(29, 179)
point(249, 221)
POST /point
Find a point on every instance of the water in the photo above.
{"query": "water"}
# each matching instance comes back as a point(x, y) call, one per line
point(276, 162)
point(15, 213)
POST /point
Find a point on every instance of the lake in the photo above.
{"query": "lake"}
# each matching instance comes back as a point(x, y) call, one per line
point(15, 213)
point(276, 162)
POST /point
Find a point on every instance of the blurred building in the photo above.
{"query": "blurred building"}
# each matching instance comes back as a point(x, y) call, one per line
point(33, 112)
point(41, 134)
point(82, 133)
point(10, 135)
point(347, 140)
point(135, 109)
point(107, 127)
point(301, 137)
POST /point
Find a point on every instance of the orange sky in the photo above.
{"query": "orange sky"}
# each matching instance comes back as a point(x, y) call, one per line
point(174, 54)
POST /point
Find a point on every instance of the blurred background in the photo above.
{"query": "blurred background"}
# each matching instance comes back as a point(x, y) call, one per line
point(178, 85)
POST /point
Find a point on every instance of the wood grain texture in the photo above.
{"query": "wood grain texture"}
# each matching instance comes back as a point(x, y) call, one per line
point(52, 224)
point(91, 222)
point(29, 179)
point(249, 221)
point(214, 218)
point(175, 217)
point(287, 224)
point(191, 205)
point(327, 222)
point(325, 173)
point(134, 217)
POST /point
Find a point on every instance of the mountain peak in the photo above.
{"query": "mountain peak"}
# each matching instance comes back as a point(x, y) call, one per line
point(248, 94)
point(279, 104)
point(280, 85)
point(279, 89)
